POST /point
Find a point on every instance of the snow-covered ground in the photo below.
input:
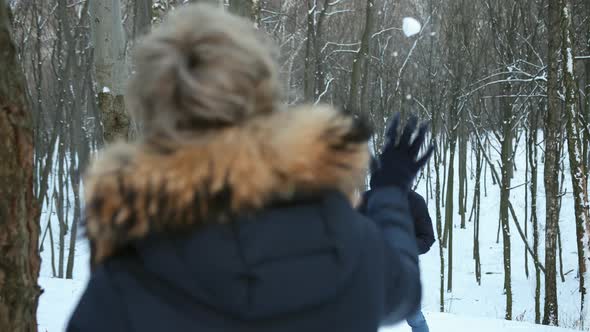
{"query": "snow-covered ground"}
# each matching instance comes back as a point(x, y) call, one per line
point(443, 322)
point(57, 302)
point(467, 302)
point(61, 296)
point(488, 300)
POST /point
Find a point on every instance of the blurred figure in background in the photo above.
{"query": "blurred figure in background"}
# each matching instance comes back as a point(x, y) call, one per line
point(425, 240)
point(424, 232)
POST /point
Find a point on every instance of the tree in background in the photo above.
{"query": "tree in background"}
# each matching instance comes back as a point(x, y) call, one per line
point(553, 138)
point(142, 13)
point(19, 215)
point(110, 65)
point(575, 132)
point(246, 8)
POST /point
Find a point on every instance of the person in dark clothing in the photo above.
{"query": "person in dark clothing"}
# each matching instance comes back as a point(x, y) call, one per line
point(424, 233)
point(424, 239)
point(229, 214)
point(422, 222)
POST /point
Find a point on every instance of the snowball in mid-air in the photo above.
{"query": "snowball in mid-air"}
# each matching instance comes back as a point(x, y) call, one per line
point(411, 26)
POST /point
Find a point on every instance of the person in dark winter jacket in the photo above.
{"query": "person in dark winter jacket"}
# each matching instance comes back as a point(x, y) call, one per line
point(229, 214)
point(422, 222)
point(424, 239)
point(424, 232)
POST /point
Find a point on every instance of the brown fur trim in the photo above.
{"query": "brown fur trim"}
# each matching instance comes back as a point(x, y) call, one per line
point(133, 190)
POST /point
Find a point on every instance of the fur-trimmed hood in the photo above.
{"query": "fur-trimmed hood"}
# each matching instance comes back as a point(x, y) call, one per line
point(133, 190)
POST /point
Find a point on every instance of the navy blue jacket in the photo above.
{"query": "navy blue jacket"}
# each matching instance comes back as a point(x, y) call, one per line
point(419, 212)
point(422, 222)
point(315, 265)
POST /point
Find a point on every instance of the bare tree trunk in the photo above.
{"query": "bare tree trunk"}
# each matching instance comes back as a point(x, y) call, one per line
point(507, 166)
point(110, 66)
point(142, 17)
point(476, 211)
point(485, 179)
point(246, 8)
point(319, 84)
point(439, 230)
point(75, 184)
point(586, 160)
point(52, 246)
point(526, 200)
point(360, 60)
point(308, 74)
point(574, 126)
point(449, 214)
point(61, 197)
point(532, 160)
point(586, 151)
point(462, 171)
point(552, 139)
point(19, 213)
point(435, 116)
point(562, 193)
point(560, 252)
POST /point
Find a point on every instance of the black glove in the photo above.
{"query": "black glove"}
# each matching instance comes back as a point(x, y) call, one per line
point(399, 163)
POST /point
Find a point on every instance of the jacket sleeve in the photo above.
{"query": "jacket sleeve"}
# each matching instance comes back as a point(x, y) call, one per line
point(423, 224)
point(388, 208)
point(100, 308)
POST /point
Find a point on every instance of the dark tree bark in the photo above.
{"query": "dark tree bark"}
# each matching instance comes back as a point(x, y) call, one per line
point(19, 213)
point(60, 204)
point(313, 75)
point(449, 214)
point(574, 126)
point(110, 65)
point(308, 86)
point(526, 200)
point(505, 201)
point(246, 8)
point(142, 17)
point(532, 161)
point(439, 225)
point(586, 136)
point(476, 214)
point(361, 59)
point(463, 136)
point(551, 172)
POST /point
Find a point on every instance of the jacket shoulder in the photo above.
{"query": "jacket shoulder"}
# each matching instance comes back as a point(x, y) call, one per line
point(416, 199)
point(100, 308)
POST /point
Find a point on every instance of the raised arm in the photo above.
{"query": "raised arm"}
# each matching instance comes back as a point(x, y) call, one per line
point(387, 205)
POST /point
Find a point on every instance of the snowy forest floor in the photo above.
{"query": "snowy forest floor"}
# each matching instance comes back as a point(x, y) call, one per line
point(61, 296)
point(488, 299)
point(463, 305)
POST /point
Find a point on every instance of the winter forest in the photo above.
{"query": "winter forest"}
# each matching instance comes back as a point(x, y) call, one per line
point(505, 85)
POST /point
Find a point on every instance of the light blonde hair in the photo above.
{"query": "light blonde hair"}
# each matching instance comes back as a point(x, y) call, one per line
point(201, 69)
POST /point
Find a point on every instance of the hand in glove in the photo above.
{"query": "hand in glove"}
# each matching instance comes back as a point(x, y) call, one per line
point(399, 163)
